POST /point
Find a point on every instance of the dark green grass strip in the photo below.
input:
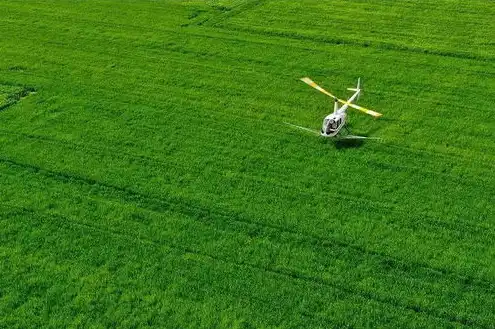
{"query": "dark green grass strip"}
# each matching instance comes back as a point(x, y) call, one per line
point(428, 221)
point(285, 273)
point(402, 26)
point(11, 94)
point(384, 46)
point(420, 169)
point(246, 164)
point(213, 19)
point(262, 230)
point(452, 91)
point(196, 277)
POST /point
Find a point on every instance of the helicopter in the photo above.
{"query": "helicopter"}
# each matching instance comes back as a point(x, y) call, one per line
point(336, 121)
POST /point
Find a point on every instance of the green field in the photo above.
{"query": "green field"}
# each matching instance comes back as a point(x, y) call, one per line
point(148, 180)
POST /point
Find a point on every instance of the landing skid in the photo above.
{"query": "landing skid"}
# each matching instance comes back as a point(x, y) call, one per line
point(338, 137)
point(348, 135)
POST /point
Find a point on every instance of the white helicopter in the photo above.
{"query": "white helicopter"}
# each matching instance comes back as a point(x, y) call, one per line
point(334, 122)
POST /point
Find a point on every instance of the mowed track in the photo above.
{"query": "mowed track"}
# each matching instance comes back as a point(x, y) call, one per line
point(150, 182)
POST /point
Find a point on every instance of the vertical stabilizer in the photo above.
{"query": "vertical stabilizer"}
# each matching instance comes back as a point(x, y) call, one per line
point(357, 90)
point(358, 87)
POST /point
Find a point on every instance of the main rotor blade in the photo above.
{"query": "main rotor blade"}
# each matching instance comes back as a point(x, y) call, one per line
point(362, 109)
point(357, 107)
point(303, 128)
point(314, 85)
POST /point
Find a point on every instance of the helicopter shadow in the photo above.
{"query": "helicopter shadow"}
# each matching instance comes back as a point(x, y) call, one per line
point(348, 143)
point(345, 143)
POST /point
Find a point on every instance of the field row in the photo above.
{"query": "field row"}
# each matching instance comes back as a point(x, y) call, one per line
point(411, 26)
point(437, 100)
point(152, 180)
point(325, 263)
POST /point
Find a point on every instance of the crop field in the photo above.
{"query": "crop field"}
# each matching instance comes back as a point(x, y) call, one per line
point(148, 178)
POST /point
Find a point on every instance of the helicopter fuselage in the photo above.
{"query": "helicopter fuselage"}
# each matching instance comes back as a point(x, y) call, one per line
point(333, 123)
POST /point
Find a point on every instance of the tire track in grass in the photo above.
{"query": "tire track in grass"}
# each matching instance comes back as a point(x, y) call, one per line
point(279, 21)
point(250, 4)
point(461, 159)
point(187, 210)
point(52, 228)
point(466, 227)
point(463, 182)
point(388, 149)
point(287, 273)
point(198, 258)
point(225, 219)
point(411, 222)
point(459, 226)
point(241, 7)
point(160, 54)
point(202, 35)
point(227, 113)
point(379, 45)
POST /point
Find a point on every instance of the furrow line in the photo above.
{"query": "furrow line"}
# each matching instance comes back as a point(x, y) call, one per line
point(287, 273)
point(356, 43)
point(460, 226)
point(222, 218)
point(236, 10)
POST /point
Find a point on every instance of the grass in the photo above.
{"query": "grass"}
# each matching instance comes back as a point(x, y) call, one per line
point(9, 95)
point(150, 180)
